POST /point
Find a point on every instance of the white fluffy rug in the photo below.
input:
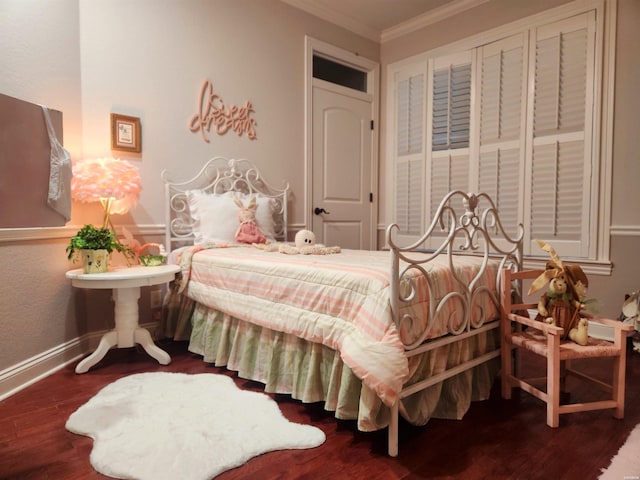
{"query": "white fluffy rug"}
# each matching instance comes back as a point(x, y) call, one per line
point(626, 463)
point(172, 425)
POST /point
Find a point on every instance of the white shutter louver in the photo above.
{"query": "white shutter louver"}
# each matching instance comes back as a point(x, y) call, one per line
point(501, 119)
point(448, 172)
point(560, 147)
point(500, 178)
point(409, 196)
point(560, 83)
point(558, 191)
point(451, 107)
point(450, 127)
point(410, 101)
point(501, 95)
point(409, 162)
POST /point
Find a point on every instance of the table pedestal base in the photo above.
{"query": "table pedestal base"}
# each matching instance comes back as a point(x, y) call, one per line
point(127, 332)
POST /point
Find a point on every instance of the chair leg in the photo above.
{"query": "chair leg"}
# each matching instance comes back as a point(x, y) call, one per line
point(619, 368)
point(553, 384)
point(618, 386)
point(506, 370)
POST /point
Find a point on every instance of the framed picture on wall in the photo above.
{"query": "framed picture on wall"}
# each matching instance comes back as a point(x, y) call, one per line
point(125, 133)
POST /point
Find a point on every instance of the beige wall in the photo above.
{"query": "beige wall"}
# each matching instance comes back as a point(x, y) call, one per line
point(151, 62)
point(40, 63)
point(146, 58)
point(625, 205)
point(626, 166)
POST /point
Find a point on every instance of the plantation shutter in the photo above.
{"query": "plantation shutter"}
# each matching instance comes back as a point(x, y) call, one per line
point(451, 107)
point(502, 116)
point(409, 196)
point(450, 96)
point(409, 162)
point(560, 151)
point(450, 172)
point(410, 115)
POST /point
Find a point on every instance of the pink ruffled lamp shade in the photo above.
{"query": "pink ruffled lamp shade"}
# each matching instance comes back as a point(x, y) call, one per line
point(113, 182)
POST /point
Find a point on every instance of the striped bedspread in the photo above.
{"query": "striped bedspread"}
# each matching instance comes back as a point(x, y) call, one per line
point(340, 300)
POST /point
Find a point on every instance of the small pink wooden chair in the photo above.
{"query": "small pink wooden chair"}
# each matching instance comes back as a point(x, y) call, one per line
point(545, 340)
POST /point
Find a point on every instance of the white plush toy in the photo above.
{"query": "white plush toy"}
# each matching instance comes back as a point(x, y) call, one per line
point(305, 244)
point(305, 238)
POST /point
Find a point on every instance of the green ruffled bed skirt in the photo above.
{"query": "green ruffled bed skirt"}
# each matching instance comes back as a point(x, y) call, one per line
point(312, 372)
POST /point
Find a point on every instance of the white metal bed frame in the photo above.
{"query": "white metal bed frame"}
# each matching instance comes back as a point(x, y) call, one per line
point(464, 224)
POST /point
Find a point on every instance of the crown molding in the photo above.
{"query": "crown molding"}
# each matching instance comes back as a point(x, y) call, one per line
point(317, 9)
point(428, 18)
point(320, 10)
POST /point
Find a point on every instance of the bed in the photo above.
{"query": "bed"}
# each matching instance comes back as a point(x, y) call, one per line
point(410, 330)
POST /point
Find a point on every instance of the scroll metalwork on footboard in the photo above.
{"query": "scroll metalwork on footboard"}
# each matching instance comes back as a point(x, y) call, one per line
point(465, 225)
point(473, 227)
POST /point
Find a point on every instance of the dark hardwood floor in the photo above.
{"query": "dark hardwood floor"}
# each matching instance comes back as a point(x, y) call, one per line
point(497, 439)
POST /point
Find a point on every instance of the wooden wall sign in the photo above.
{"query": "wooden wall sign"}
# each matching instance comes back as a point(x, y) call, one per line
point(212, 113)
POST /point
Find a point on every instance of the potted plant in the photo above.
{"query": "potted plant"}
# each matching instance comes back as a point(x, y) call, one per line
point(94, 245)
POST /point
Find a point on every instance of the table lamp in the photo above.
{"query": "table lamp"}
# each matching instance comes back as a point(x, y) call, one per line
point(113, 182)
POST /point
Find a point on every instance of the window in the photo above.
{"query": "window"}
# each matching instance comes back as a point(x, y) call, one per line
point(511, 116)
point(338, 73)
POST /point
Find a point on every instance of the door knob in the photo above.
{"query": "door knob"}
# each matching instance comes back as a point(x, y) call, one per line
point(319, 210)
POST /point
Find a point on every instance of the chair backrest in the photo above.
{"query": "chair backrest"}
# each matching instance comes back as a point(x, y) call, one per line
point(514, 297)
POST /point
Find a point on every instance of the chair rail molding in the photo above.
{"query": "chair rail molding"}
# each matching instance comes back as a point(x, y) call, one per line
point(625, 230)
point(47, 233)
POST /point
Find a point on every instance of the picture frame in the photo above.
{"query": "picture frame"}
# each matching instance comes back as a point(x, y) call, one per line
point(126, 133)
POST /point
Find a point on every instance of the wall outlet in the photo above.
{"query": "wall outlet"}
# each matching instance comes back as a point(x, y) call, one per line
point(155, 299)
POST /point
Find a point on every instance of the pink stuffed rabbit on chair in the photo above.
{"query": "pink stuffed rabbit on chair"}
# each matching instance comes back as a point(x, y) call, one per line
point(248, 231)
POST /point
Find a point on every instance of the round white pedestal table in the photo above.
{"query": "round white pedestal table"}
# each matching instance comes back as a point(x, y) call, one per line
point(125, 283)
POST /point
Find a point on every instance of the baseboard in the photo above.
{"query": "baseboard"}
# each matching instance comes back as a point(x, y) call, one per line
point(602, 332)
point(28, 372)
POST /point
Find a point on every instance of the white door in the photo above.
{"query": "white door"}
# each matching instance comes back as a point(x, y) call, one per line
point(341, 166)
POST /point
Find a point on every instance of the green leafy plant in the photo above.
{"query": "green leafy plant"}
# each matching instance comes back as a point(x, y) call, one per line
point(92, 238)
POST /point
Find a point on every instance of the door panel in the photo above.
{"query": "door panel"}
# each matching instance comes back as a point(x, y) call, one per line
point(342, 159)
point(342, 156)
point(346, 234)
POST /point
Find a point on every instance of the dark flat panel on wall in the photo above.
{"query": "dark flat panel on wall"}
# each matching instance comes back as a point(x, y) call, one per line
point(25, 154)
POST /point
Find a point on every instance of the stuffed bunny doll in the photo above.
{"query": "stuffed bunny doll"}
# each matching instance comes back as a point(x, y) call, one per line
point(248, 230)
point(563, 302)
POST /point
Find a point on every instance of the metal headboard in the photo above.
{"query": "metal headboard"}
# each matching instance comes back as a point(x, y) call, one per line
point(219, 175)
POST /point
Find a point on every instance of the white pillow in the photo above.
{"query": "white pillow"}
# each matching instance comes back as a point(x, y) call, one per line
point(216, 216)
